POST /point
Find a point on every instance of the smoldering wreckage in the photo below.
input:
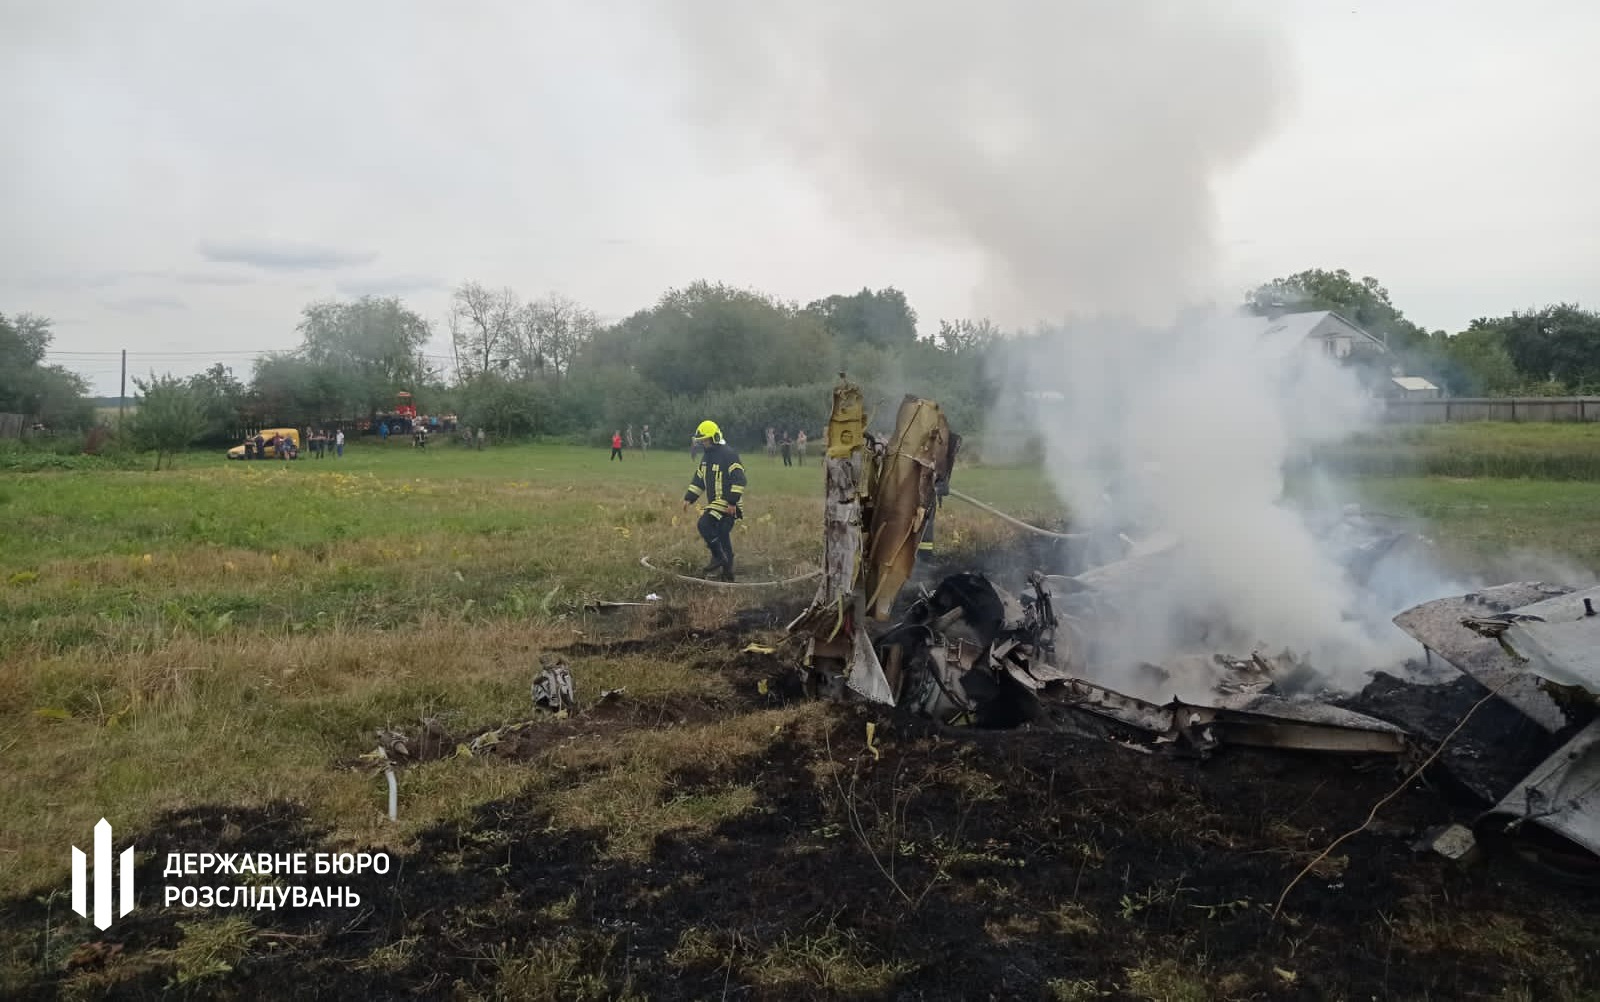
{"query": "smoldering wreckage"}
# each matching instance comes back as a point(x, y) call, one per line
point(1500, 709)
point(1503, 704)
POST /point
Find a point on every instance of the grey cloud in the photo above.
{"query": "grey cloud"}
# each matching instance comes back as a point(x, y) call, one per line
point(143, 304)
point(212, 278)
point(76, 281)
point(389, 285)
point(282, 255)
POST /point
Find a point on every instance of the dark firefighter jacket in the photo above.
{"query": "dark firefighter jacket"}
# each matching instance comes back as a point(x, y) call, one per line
point(719, 482)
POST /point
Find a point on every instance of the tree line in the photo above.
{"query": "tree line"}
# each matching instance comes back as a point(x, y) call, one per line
point(547, 367)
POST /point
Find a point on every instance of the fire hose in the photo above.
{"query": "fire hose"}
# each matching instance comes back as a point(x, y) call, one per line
point(1019, 523)
point(730, 584)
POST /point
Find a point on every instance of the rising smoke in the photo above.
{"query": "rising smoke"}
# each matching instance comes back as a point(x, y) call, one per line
point(1074, 147)
point(1071, 143)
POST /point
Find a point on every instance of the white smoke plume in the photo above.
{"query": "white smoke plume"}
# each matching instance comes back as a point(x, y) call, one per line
point(1188, 430)
point(1071, 143)
point(1074, 147)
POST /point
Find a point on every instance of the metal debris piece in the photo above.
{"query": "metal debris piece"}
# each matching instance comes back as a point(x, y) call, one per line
point(432, 742)
point(1538, 644)
point(552, 690)
point(1453, 841)
point(1439, 627)
point(1559, 639)
point(1555, 811)
point(1249, 719)
point(879, 502)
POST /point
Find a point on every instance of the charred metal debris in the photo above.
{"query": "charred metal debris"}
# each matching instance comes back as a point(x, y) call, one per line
point(967, 652)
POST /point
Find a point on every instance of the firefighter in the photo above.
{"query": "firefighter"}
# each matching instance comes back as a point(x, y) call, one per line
point(718, 485)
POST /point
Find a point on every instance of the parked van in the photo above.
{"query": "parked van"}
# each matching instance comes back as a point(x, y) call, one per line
point(267, 435)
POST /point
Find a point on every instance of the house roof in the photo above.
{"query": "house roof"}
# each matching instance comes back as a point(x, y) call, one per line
point(1413, 383)
point(1288, 330)
point(1320, 324)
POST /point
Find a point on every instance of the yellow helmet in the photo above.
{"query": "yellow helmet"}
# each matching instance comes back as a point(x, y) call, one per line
point(709, 429)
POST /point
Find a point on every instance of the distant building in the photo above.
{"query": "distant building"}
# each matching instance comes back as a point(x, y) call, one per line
point(1411, 388)
point(1327, 330)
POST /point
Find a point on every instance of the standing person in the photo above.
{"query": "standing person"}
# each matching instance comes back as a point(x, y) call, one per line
point(383, 432)
point(616, 446)
point(627, 439)
point(480, 438)
point(338, 443)
point(786, 447)
point(644, 439)
point(719, 482)
point(800, 447)
point(772, 443)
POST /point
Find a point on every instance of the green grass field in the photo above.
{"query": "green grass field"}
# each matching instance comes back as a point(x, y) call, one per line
point(227, 629)
point(235, 633)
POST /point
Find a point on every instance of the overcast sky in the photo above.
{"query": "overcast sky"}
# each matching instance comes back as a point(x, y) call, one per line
point(184, 177)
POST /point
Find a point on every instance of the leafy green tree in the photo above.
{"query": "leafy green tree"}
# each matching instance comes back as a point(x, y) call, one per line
point(222, 399)
point(1557, 344)
point(1478, 363)
point(966, 335)
point(365, 351)
point(883, 318)
point(49, 393)
point(171, 416)
point(706, 337)
point(509, 407)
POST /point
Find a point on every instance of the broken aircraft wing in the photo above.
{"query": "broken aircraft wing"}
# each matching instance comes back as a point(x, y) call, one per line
point(1439, 627)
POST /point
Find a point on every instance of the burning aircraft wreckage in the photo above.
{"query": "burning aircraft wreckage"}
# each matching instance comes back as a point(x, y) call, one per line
point(1502, 704)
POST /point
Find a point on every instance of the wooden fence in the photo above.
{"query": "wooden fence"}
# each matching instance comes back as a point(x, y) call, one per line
point(1493, 409)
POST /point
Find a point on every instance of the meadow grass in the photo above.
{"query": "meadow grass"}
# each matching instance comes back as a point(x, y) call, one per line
point(1541, 450)
point(236, 632)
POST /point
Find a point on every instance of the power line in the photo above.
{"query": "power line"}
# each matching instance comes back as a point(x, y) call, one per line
point(91, 355)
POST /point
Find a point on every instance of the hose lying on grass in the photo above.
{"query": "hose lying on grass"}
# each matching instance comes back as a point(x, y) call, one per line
point(1016, 521)
point(730, 584)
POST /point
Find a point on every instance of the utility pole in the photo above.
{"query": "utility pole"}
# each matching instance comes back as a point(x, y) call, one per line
point(122, 400)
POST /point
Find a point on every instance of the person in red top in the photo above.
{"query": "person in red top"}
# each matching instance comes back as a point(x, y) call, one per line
point(616, 445)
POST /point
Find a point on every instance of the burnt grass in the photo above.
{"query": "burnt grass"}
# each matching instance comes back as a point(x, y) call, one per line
point(1012, 865)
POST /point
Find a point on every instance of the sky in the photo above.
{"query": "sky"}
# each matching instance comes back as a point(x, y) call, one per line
point(179, 179)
